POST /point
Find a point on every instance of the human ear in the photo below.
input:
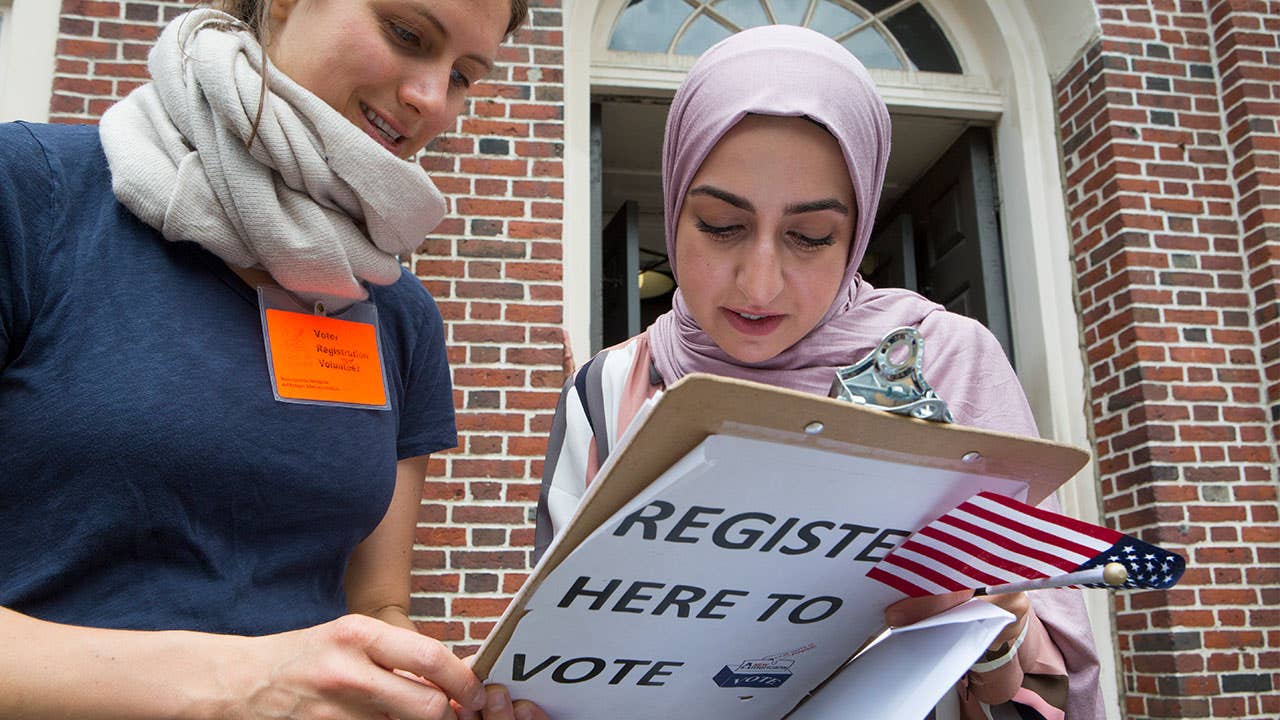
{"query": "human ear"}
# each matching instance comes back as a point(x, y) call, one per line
point(277, 12)
point(280, 10)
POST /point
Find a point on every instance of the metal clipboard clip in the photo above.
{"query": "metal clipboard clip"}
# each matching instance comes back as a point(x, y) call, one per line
point(890, 378)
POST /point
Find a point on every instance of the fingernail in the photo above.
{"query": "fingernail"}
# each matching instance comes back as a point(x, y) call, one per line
point(523, 712)
point(498, 701)
point(479, 699)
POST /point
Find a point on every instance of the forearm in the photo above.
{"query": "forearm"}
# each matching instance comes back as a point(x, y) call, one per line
point(394, 615)
point(49, 670)
point(377, 581)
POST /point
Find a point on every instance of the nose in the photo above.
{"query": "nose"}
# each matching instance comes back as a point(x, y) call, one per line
point(759, 273)
point(427, 92)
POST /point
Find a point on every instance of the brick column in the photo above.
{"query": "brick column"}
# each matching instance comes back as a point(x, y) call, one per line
point(1174, 339)
point(496, 268)
point(1246, 41)
point(1246, 44)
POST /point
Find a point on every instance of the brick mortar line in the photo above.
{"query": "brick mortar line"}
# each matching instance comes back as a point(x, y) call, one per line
point(1102, 167)
point(1167, 325)
point(1175, 252)
point(1225, 364)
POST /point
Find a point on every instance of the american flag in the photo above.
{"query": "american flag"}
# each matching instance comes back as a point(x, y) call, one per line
point(990, 539)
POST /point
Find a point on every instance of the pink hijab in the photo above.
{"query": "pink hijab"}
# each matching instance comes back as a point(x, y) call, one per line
point(794, 72)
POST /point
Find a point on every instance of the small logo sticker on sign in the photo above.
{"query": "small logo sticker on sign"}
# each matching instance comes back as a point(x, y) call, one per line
point(762, 673)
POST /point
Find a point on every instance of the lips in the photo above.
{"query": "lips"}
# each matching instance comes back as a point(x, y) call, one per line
point(381, 129)
point(750, 323)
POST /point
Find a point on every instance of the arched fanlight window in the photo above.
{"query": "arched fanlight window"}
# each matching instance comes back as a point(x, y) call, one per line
point(888, 34)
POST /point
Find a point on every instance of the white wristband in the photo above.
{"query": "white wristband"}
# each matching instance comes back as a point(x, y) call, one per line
point(1004, 657)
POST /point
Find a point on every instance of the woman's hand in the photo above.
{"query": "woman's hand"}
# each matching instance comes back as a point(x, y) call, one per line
point(1019, 604)
point(998, 684)
point(498, 706)
point(346, 669)
point(913, 610)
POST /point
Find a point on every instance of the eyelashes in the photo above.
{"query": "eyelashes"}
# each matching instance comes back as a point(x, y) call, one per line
point(814, 242)
point(721, 231)
point(725, 232)
point(403, 35)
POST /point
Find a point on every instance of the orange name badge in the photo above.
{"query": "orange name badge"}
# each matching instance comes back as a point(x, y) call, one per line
point(324, 360)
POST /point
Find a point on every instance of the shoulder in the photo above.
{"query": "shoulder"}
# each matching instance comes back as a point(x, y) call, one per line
point(952, 332)
point(407, 292)
point(968, 368)
point(23, 159)
point(906, 306)
point(39, 161)
point(411, 327)
point(612, 385)
point(33, 177)
point(44, 145)
point(944, 331)
point(613, 365)
point(605, 375)
point(407, 305)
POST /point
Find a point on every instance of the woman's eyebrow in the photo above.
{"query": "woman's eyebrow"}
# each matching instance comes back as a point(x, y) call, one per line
point(794, 209)
point(735, 200)
point(817, 205)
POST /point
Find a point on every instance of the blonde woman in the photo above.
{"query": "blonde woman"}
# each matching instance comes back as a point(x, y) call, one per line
point(176, 540)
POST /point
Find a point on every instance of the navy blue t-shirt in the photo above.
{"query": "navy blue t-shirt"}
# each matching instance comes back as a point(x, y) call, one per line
point(148, 477)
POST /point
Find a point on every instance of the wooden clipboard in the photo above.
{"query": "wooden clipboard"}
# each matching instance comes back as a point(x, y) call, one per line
point(701, 405)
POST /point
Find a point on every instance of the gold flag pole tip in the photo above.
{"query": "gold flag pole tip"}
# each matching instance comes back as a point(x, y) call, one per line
point(1114, 574)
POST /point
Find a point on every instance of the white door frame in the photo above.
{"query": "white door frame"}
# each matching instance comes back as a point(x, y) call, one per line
point(28, 49)
point(1010, 60)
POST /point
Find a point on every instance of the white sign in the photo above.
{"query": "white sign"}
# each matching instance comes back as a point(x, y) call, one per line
point(735, 584)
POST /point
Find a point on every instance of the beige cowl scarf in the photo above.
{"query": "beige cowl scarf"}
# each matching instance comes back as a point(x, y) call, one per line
point(313, 201)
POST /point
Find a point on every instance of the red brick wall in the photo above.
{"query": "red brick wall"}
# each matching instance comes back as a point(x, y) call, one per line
point(1169, 145)
point(102, 53)
point(494, 266)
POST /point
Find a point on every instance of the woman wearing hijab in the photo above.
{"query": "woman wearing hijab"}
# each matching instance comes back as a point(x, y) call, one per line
point(176, 539)
point(773, 161)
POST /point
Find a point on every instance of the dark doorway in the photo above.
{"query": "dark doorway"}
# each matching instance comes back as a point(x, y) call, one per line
point(620, 268)
point(942, 239)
